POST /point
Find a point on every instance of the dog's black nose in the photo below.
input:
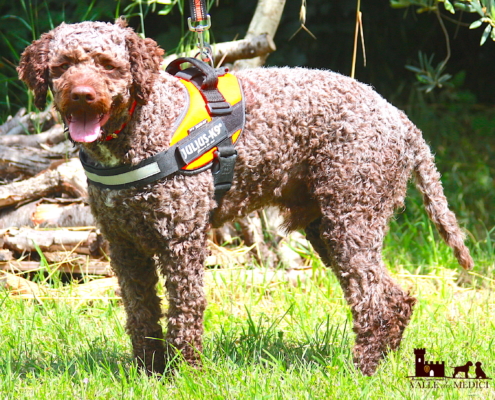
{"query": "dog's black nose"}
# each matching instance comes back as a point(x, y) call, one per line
point(83, 94)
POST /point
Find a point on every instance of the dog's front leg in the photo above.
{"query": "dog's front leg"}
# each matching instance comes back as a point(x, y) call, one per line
point(184, 272)
point(182, 220)
point(137, 277)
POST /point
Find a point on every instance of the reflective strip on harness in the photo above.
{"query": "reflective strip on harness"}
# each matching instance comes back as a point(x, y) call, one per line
point(126, 177)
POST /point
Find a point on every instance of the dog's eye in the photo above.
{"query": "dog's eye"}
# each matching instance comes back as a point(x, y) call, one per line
point(59, 69)
point(109, 67)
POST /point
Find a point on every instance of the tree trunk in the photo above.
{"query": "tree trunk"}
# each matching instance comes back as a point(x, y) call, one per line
point(265, 20)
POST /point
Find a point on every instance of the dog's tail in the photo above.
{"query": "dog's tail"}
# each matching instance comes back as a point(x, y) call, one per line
point(428, 183)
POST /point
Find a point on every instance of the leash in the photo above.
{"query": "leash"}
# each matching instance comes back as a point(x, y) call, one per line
point(199, 22)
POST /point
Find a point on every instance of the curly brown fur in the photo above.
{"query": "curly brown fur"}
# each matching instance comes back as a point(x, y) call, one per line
point(331, 153)
point(33, 68)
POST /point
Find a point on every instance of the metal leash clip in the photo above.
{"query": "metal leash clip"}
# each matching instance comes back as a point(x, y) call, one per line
point(200, 22)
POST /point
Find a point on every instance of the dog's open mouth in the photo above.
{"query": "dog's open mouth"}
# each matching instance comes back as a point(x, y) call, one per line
point(85, 127)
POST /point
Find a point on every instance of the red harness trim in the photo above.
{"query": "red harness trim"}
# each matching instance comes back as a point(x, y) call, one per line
point(114, 135)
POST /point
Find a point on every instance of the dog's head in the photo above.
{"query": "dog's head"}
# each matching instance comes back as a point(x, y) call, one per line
point(95, 70)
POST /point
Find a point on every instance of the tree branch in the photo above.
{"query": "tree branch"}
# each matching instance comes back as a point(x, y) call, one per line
point(228, 52)
point(265, 20)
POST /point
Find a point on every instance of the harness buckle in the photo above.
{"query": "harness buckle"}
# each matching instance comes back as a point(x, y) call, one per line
point(219, 108)
point(223, 168)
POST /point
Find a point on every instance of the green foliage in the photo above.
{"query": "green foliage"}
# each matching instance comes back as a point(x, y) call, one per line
point(431, 77)
point(140, 9)
point(484, 8)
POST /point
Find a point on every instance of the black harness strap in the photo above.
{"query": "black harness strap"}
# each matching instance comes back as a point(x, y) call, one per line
point(123, 177)
point(223, 170)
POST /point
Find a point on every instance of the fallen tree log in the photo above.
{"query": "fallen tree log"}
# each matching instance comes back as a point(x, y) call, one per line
point(12, 122)
point(52, 136)
point(28, 123)
point(47, 215)
point(23, 240)
point(17, 285)
point(66, 177)
point(5, 255)
point(23, 288)
point(23, 163)
point(62, 215)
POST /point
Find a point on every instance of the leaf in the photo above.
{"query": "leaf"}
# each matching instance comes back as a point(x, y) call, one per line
point(464, 7)
point(448, 6)
point(476, 24)
point(400, 3)
point(485, 35)
point(477, 6)
point(414, 69)
point(444, 78)
point(424, 78)
point(425, 9)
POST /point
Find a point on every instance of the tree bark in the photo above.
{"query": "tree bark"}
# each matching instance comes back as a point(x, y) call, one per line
point(27, 239)
point(22, 163)
point(67, 177)
point(47, 215)
point(84, 266)
point(32, 122)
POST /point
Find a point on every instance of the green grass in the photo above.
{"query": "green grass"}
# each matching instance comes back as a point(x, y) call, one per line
point(267, 340)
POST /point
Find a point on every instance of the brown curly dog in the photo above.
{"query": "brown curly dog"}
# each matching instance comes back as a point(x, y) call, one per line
point(331, 153)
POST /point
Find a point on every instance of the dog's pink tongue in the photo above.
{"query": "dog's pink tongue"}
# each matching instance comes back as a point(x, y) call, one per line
point(85, 127)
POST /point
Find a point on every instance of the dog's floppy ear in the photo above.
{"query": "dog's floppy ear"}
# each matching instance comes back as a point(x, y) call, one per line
point(33, 68)
point(145, 57)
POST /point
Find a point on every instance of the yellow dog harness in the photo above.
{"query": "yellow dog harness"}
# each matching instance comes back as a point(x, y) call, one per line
point(204, 136)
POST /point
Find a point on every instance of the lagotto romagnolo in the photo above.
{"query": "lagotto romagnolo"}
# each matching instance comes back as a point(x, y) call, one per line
point(329, 151)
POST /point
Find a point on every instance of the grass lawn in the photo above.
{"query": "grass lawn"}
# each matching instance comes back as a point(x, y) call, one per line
point(264, 339)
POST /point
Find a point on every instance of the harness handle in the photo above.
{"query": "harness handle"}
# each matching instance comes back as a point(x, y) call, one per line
point(211, 76)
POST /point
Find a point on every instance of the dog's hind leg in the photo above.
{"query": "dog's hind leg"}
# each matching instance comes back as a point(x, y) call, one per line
point(381, 309)
point(137, 277)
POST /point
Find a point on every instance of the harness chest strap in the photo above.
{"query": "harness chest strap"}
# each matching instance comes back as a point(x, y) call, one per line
point(204, 137)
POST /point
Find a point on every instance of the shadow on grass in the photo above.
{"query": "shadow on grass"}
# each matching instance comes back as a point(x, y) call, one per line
point(95, 361)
